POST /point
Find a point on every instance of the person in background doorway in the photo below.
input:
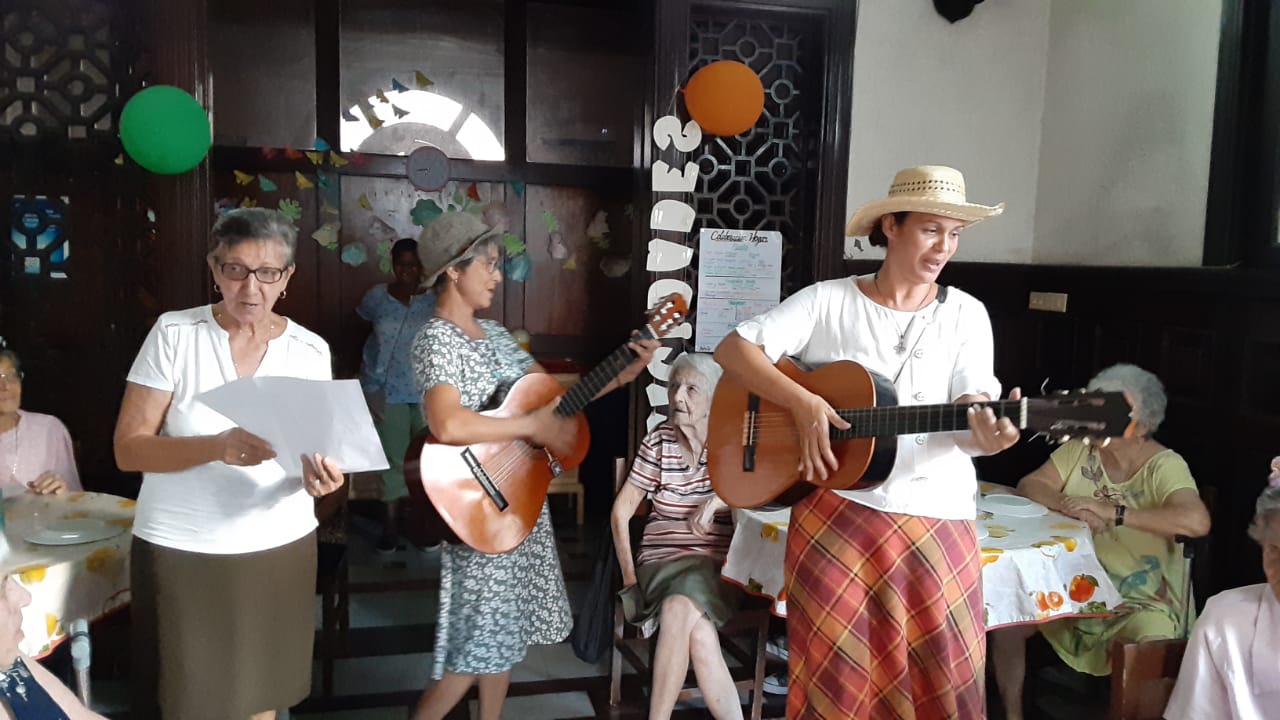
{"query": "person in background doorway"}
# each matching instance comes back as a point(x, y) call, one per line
point(396, 311)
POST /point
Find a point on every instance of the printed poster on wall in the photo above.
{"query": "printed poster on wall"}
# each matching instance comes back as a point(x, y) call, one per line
point(739, 277)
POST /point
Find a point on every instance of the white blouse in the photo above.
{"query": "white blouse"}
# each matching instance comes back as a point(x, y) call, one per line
point(947, 352)
point(1232, 664)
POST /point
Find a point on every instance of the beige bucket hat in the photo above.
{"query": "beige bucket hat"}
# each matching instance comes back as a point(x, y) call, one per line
point(448, 239)
point(932, 189)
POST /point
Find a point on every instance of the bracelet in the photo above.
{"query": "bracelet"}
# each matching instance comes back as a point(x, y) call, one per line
point(1120, 515)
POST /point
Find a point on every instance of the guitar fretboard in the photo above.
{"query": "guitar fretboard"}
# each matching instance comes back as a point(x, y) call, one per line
point(582, 392)
point(921, 419)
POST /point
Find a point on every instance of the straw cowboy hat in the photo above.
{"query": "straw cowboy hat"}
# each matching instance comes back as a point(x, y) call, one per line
point(448, 239)
point(931, 189)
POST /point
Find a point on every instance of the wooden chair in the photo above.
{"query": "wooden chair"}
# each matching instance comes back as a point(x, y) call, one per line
point(1142, 677)
point(332, 581)
point(1143, 673)
point(753, 619)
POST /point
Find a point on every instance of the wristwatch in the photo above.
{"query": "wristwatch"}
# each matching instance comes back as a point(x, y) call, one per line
point(1120, 515)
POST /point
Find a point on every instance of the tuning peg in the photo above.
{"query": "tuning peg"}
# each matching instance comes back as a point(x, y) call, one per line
point(1082, 391)
point(1106, 442)
point(1087, 441)
point(1065, 438)
point(1062, 392)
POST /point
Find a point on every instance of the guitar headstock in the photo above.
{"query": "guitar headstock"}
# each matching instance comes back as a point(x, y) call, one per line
point(1090, 416)
point(666, 314)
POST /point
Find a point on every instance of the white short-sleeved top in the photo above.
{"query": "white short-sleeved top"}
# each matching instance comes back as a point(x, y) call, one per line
point(217, 508)
point(1232, 664)
point(949, 353)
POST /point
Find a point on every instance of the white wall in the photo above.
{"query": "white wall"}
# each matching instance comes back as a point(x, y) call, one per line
point(1124, 158)
point(968, 95)
point(1090, 119)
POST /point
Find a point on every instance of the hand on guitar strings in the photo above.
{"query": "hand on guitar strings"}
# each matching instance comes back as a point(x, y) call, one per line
point(814, 419)
point(320, 475)
point(548, 430)
point(989, 434)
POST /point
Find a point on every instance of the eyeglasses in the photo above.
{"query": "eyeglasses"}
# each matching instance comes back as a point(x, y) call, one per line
point(10, 377)
point(236, 271)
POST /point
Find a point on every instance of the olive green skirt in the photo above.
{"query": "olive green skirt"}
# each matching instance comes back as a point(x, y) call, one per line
point(221, 637)
point(695, 577)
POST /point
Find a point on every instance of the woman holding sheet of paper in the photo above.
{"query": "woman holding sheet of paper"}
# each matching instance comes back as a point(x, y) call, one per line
point(223, 559)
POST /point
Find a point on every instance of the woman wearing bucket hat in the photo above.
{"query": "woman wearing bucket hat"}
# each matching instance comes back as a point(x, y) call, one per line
point(492, 607)
point(884, 593)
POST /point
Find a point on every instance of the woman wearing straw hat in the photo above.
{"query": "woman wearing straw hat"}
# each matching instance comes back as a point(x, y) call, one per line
point(884, 593)
point(492, 607)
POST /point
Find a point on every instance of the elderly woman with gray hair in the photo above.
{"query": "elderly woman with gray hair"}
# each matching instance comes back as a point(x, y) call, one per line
point(492, 606)
point(224, 553)
point(1232, 664)
point(1137, 496)
point(675, 579)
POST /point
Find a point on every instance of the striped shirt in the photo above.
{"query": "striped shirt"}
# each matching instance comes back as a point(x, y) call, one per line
point(677, 492)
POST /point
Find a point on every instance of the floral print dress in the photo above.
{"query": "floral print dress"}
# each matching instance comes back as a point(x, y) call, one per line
point(492, 607)
point(1147, 569)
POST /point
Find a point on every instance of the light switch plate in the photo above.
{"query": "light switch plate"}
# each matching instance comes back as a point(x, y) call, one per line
point(1048, 301)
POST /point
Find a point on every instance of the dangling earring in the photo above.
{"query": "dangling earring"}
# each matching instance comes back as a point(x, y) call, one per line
point(216, 289)
point(284, 294)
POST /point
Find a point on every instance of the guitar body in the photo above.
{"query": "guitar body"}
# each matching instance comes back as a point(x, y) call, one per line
point(490, 494)
point(757, 462)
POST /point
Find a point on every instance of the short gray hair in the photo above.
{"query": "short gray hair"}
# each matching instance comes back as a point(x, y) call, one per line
point(701, 363)
point(1268, 509)
point(253, 224)
point(1145, 388)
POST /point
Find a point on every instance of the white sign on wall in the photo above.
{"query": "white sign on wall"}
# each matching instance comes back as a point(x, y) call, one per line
point(739, 277)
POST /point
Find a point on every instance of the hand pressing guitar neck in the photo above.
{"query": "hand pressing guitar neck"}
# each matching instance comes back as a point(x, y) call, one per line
point(490, 494)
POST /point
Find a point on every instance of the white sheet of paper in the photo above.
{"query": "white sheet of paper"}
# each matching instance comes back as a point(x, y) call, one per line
point(300, 417)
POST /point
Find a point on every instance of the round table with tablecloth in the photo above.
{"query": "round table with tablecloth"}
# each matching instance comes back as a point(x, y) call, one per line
point(67, 582)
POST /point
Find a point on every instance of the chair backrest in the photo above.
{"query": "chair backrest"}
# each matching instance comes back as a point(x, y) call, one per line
point(1142, 677)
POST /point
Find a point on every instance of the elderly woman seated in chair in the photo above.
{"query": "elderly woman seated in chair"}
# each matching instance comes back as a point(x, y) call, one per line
point(1136, 495)
point(675, 579)
point(1232, 664)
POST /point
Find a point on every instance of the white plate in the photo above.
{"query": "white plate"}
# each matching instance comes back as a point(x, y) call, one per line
point(1011, 506)
point(73, 532)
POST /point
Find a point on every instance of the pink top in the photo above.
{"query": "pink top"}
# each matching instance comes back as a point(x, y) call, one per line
point(39, 443)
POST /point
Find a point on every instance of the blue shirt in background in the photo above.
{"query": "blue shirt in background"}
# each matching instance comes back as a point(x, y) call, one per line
point(386, 363)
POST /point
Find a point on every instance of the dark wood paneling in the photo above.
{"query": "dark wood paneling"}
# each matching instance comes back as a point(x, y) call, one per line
point(178, 52)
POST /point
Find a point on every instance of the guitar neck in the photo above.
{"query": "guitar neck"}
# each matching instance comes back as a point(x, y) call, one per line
point(921, 419)
point(583, 391)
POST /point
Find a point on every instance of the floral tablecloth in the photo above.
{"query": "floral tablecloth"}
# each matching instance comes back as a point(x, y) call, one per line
point(66, 582)
point(1033, 569)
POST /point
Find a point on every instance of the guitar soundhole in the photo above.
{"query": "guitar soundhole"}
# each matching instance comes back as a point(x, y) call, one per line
point(482, 477)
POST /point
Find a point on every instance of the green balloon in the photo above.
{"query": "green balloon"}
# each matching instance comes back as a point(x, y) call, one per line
point(165, 130)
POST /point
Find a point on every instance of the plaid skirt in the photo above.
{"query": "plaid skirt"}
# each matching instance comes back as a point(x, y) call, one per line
point(884, 614)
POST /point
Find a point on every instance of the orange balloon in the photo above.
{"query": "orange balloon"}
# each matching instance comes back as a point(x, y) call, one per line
point(725, 98)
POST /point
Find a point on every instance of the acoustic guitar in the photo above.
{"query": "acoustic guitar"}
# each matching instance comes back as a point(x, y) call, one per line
point(490, 494)
point(753, 450)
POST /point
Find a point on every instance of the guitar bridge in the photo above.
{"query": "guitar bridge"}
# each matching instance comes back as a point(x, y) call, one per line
point(482, 477)
point(556, 468)
point(749, 433)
